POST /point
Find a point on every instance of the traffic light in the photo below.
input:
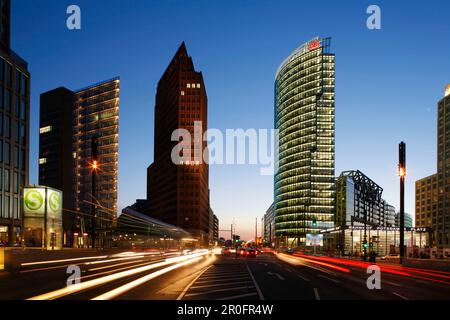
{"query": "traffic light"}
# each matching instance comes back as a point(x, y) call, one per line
point(365, 245)
point(314, 223)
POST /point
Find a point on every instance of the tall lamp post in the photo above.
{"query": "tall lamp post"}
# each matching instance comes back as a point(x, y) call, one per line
point(402, 174)
point(94, 167)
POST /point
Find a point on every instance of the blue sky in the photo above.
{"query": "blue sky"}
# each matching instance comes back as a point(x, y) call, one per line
point(388, 81)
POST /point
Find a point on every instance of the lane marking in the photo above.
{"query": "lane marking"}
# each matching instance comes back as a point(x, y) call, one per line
point(316, 293)
point(183, 293)
point(325, 277)
point(217, 290)
point(239, 297)
point(222, 280)
point(391, 283)
point(221, 284)
point(303, 278)
point(276, 275)
point(258, 289)
point(400, 296)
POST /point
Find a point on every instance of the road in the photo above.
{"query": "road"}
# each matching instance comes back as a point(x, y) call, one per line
point(203, 275)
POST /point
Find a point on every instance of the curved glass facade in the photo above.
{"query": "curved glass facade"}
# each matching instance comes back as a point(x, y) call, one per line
point(304, 116)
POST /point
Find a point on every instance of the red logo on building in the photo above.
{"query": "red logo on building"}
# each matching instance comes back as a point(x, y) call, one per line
point(314, 44)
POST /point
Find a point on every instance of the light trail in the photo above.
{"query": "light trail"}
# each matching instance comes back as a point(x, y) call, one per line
point(129, 286)
point(392, 269)
point(61, 261)
point(100, 281)
point(324, 264)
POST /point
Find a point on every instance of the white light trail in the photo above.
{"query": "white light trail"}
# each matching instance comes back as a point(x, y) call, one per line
point(129, 286)
point(99, 281)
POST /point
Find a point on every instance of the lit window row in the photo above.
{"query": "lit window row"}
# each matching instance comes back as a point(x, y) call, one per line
point(193, 85)
point(45, 129)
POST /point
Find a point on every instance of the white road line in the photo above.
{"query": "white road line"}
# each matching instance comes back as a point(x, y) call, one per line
point(400, 296)
point(258, 289)
point(324, 277)
point(391, 283)
point(240, 296)
point(316, 293)
point(276, 275)
point(217, 290)
point(303, 278)
point(220, 284)
point(182, 294)
point(219, 276)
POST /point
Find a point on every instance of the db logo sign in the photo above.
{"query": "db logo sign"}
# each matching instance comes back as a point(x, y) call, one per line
point(314, 44)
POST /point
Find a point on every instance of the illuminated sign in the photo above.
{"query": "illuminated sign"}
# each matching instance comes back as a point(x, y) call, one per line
point(37, 200)
point(314, 240)
point(34, 201)
point(314, 44)
point(3, 229)
point(54, 202)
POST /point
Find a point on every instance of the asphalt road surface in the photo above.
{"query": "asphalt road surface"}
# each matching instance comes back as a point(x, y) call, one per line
point(203, 275)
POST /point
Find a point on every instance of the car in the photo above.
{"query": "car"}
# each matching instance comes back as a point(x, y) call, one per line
point(251, 253)
point(241, 251)
point(226, 251)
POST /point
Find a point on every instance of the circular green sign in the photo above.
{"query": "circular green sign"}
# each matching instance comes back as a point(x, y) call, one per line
point(33, 200)
point(54, 201)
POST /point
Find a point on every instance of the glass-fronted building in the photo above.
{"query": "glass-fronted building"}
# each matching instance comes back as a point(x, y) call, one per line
point(70, 124)
point(349, 240)
point(304, 116)
point(359, 200)
point(14, 133)
point(96, 117)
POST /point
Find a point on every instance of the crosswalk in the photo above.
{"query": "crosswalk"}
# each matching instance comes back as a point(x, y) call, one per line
point(229, 280)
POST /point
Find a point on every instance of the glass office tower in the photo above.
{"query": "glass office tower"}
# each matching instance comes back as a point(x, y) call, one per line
point(14, 133)
point(96, 117)
point(69, 124)
point(304, 115)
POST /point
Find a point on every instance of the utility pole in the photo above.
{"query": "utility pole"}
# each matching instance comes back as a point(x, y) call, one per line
point(402, 174)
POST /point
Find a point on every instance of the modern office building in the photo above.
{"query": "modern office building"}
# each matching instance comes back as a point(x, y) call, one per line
point(304, 115)
point(359, 201)
point(433, 192)
point(14, 132)
point(213, 228)
point(55, 142)
point(408, 220)
point(216, 229)
point(427, 201)
point(72, 125)
point(269, 226)
point(363, 216)
point(178, 193)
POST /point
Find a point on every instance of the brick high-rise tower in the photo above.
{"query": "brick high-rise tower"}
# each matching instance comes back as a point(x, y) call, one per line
point(178, 193)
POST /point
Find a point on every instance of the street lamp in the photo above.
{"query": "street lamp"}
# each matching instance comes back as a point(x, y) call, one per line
point(94, 167)
point(402, 175)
